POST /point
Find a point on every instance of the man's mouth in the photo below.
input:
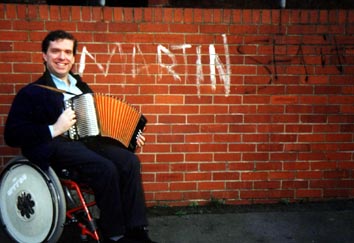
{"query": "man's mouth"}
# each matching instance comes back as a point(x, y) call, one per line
point(62, 64)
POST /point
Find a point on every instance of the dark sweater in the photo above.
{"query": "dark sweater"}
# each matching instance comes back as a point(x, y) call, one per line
point(35, 108)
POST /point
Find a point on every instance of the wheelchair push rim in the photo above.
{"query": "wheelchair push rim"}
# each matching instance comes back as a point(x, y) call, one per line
point(32, 208)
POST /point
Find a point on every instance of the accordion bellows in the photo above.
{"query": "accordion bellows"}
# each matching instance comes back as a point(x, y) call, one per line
point(100, 114)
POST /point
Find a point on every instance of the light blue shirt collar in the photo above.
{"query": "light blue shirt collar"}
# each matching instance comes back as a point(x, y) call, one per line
point(72, 88)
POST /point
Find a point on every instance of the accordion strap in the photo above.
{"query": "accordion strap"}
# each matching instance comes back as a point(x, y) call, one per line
point(54, 89)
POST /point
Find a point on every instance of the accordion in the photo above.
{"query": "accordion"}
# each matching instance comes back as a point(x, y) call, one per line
point(99, 114)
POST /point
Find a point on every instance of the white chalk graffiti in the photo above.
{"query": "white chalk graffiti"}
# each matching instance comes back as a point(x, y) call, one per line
point(169, 68)
point(199, 74)
point(135, 69)
point(215, 63)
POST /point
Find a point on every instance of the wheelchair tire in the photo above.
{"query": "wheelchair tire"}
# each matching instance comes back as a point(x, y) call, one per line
point(32, 203)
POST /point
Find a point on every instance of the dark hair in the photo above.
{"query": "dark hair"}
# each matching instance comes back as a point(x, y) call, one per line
point(57, 35)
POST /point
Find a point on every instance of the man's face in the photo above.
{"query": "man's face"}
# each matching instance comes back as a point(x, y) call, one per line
point(60, 57)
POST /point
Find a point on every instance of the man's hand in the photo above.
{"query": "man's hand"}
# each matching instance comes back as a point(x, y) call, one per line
point(64, 122)
point(140, 140)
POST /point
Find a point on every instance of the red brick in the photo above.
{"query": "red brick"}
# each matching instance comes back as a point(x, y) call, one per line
point(282, 175)
point(170, 157)
point(161, 177)
point(196, 138)
point(178, 15)
point(198, 157)
point(183, 28)
point(184, 186)
point(197, 195)
point(182, 167)
point(168, 196)
point(242, 147)
point(267, 185)
point(205, 176)
point(168, 99)
point(10, 11)
point(147, 27)
point(295, 184)
point(337, 174)
point(168, 15)
point(239, 185)
point(148, 15)
point(256, 194)
point(158, 15)
point(43, 12)
point(255, 137)
point(338, 193)
point(254, 176)
point(155, 187)
point(13, 36)
point(226, 176)
point(309, 175)
point(303, 193)
point(211, 186)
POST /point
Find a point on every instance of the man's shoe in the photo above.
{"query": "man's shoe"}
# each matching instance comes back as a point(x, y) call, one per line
point(140, 234)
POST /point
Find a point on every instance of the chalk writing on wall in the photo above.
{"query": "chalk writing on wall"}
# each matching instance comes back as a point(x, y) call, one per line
point(215, 64)
point(328, 53)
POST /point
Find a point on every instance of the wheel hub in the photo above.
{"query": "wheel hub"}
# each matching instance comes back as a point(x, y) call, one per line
point(25, 205)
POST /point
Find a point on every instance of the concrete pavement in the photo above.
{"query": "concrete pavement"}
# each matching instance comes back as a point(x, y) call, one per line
point(260, 227)
point(330, 222)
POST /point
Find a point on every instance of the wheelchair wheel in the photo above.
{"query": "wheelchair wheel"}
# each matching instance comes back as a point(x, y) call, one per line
point(32, 203)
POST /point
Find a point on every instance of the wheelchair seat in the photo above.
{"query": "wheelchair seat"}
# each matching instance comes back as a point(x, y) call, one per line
point(36, 205)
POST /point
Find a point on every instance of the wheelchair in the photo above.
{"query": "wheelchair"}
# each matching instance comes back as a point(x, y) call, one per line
point(36, 205)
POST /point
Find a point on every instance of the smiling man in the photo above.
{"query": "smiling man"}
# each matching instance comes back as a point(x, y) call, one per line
point(59, 57)
point(38, 124)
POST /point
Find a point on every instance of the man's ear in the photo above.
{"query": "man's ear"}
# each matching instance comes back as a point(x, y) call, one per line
point(44, 56)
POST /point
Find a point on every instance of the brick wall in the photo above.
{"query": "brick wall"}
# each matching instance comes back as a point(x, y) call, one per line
point(246, 106)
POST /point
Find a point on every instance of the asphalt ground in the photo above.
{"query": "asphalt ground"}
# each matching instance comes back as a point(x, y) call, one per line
point(325, 222)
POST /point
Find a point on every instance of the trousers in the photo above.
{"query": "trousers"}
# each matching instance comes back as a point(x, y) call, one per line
point(113, 173)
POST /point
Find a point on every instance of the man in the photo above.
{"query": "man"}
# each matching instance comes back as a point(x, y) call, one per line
point(38, 125)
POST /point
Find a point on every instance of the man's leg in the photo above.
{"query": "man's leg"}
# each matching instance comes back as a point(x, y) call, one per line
point(133, 203)
point(101, 175)
point(128, 167)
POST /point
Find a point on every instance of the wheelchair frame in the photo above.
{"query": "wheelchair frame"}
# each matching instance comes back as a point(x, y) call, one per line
point(89, 229)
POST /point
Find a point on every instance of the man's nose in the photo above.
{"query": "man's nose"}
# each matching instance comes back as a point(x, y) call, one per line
point(62, 55)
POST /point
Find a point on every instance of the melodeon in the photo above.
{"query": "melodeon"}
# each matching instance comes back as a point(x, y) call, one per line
point(99, 114)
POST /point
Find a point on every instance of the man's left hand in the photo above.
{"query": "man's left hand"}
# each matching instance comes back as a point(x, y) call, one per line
point(140, 141)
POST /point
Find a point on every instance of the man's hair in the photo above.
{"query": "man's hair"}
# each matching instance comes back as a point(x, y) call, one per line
point(58, 35)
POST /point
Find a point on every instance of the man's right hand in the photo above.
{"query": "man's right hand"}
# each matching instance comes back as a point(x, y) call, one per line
point(64, 122)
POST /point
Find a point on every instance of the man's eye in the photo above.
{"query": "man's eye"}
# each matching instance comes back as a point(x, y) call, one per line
point(57, 51)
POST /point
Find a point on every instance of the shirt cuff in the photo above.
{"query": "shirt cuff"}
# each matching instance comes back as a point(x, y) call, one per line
point(51, 129)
